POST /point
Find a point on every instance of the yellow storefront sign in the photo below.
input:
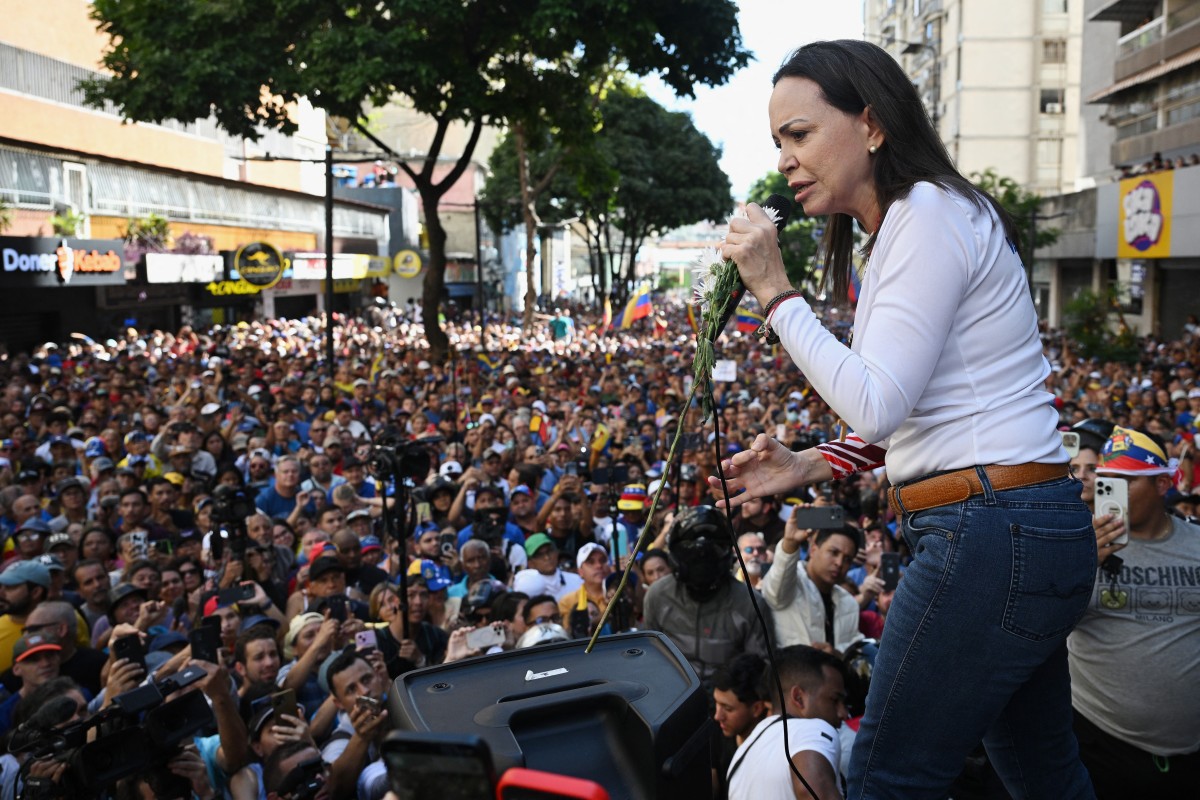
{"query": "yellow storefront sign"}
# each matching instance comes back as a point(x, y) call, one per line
point(1144, 216)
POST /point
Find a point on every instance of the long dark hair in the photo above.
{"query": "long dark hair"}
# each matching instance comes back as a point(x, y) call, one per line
point(854, 75)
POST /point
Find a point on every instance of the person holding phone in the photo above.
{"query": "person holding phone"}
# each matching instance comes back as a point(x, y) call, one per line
point(942, 381)
point(1133, 656)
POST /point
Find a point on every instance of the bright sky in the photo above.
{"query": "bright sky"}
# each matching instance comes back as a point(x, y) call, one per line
point(734, 116)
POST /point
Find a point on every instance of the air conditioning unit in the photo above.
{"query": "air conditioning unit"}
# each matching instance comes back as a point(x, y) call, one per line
point(1054, 108)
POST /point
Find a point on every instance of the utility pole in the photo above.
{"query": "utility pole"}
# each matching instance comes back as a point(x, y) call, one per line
point(329, 260)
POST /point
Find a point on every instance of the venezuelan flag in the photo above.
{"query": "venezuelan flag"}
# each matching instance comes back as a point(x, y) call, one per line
point(855, 286)
point(599, 442)
point(376, 367)
point(637, 307)
point(538, 427)
point(693, 320)
point(487, 363)
point(748, 321)
point(606, 322)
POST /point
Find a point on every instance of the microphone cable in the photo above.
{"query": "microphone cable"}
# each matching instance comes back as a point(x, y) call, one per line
point(768, 634)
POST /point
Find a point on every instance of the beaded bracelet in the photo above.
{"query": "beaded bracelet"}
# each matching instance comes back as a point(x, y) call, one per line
point(779, 298)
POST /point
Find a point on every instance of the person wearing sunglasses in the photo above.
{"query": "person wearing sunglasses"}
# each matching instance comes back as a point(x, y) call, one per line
point(753, 547)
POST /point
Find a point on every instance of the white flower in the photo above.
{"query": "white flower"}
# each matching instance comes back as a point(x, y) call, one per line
point(772, 214)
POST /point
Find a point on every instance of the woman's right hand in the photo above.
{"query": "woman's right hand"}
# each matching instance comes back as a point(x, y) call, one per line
point(769, 468)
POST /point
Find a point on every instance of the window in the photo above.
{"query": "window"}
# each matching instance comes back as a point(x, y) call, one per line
point(1054, 51)
point(1051, 101)
point(1054, 6)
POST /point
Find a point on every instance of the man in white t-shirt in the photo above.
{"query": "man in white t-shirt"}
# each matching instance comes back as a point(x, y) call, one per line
point(814, 688)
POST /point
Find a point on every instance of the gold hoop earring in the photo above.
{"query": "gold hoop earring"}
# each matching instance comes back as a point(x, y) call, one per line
point(872, 149)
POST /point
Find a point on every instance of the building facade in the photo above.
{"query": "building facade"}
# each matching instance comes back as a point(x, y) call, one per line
point(76, 177)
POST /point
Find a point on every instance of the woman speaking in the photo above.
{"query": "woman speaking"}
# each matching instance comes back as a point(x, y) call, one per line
point(943, 384)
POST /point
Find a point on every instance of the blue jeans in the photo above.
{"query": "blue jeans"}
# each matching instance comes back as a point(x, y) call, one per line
point(974, 648)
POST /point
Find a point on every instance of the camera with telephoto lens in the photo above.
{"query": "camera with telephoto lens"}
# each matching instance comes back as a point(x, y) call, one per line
point(231, 505)
point(112, 744)
point(392, 455)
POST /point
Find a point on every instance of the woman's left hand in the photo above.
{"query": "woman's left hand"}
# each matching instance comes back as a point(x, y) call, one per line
point(753, 244)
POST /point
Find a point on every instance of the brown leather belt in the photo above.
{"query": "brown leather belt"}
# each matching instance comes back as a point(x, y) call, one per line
point(954, 487)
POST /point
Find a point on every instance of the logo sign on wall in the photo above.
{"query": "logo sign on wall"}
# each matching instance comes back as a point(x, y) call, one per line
point(259, 264)
point(1144, 216)
point(43, 261)
point(407, 264)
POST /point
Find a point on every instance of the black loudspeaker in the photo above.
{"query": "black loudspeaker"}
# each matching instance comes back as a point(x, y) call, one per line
point(631, 715)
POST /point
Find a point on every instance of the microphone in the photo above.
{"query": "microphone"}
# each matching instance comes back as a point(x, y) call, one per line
point(783, 209)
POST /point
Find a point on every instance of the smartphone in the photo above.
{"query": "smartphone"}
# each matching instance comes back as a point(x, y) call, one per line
point(780, 432)
point(445, 765)
point(365, 640)
point(336, 604)
point(370, 703)
point(687, 472)
point(130, 647)
point(889, 570)
point(820, 518)
point(140, 543)
point(448, 542)
point(285, 703)
point(1070, 441)
point(206, 641)
point(236, 594)
point(485, 637)
point(572, 468)
point(211, 621)
point(1112, 497)
point(424, 512)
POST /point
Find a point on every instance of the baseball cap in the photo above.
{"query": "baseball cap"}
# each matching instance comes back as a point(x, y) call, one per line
point(123, 590)
point(537, 542)
point(481, 596)
point(520, 489)
point(210, 408)
point(51, 562)
point(1130, 452)
point(371, 543)
point(436, 577)
point(37, 525)
point(259, 619)
point(26, 572)
point(95, 447)
point(298, 623)
point(59, 540)
point(587, 550)
point(103, 463)
point(69, 483)
point(451, 469)
point(33, 643)
point(633, 498)
point(358, 513)
point(323, 566)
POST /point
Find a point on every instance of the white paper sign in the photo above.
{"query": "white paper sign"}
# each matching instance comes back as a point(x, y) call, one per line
point(725, 370)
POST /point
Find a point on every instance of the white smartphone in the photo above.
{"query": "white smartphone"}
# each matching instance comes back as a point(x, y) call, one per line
point(1112, 498)
point(483, 638)
point(1070, 441)
point(780, 432)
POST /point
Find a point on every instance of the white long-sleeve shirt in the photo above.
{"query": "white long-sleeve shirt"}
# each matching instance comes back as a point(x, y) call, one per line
point(946, 369)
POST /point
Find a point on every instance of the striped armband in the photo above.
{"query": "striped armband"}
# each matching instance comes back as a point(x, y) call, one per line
point(853, 455)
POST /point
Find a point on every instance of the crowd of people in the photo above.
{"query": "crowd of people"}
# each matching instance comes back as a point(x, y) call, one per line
point(163, 487)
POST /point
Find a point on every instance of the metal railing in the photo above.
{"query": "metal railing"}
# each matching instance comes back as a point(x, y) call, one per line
point(1143, 37)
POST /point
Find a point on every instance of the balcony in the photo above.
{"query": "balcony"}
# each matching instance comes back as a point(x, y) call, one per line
point(1158, 41)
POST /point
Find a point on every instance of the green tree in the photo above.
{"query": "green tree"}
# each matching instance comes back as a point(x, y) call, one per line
point(6, 215)
point(1022, 206)
point(248, 63)
point(797, 241)
point(1088, 322)
point(67, 222)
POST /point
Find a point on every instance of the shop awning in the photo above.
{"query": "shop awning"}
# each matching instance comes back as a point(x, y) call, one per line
point(1147, 75)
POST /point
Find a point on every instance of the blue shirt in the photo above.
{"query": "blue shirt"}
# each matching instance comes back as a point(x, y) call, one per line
point(273, 505)
point(511, 533)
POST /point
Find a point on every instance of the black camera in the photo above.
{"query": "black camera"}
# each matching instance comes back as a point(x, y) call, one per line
point(122, 746)
point(231, 505)
point(392, 455)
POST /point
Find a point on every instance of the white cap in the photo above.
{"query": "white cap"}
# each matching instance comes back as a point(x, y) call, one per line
point(210, 408)
point(587, 550)
point(422, 365)
point(450, 468)
point(486, 418)
point(539, 405)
